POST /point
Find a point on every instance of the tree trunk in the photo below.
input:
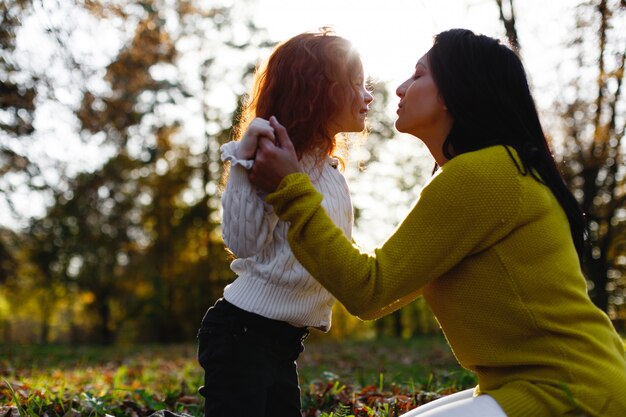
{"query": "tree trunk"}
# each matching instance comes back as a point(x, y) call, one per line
point(509, 25)
point(104, 311)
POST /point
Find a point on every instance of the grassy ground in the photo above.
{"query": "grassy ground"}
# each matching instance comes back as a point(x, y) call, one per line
point(407, 362)
point(361, 378)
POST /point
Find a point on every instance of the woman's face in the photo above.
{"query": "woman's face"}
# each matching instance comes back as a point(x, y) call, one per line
point(421, 111)
point(352, 115)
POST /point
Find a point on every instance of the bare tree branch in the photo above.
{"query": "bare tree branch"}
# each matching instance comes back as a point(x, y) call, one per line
point(509, 25)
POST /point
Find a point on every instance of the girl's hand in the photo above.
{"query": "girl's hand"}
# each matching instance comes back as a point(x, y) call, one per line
point(248, 145)
point(274, 160)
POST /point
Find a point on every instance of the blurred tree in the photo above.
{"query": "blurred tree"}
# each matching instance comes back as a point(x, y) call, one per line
point(177, 265)
point(591, 146)
point(17, 105)
point(17, 93)
point(45, 241)
point(8, 262)
point(507, 17)
point(135, 244)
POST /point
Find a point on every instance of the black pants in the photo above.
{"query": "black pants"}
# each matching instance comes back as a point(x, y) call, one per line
point(249, 364)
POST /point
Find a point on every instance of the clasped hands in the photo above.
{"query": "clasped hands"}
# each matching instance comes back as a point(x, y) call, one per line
point(268, 143)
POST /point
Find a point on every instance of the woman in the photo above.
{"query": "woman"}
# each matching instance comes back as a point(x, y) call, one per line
point(493, 243)
point(249, 340)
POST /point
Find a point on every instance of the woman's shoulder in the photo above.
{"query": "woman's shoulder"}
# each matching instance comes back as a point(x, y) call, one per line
point(493, 162)
point(486, 157)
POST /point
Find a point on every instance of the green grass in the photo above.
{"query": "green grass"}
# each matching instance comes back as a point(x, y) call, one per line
point(377, 378)
point(426, 362)
point(361, 378)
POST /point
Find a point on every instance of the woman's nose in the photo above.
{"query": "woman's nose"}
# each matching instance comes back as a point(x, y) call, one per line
point(400, 90)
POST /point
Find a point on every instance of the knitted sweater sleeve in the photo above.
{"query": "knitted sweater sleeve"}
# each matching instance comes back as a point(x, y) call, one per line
point(464, 209)
point(247, 221)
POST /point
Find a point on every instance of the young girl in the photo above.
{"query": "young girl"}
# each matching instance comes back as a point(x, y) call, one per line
point(249, 340)
point(493, 243)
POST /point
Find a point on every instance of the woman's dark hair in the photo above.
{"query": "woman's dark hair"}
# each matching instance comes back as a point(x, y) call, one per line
point(483, 84)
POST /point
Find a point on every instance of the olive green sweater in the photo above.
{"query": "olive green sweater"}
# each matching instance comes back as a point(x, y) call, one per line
point(490, 249)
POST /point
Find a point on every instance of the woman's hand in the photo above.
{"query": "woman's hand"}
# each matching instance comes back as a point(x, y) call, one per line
point(274, 160)
point(258, 128)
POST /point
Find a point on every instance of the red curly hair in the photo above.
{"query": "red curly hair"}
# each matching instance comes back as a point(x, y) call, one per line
point(304, 84)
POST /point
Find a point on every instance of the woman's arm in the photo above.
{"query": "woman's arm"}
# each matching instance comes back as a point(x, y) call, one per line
point(462, 211)
point(469, 205)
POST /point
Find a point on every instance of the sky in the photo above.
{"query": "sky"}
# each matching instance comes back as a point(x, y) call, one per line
point(392, 35)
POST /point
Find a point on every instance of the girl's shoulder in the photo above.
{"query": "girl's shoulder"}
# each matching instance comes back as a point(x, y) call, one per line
point(316, 165)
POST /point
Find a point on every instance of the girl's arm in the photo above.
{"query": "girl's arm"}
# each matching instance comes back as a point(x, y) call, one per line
point(247, 221)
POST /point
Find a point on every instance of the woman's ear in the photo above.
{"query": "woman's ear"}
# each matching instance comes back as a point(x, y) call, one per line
point(443, 103)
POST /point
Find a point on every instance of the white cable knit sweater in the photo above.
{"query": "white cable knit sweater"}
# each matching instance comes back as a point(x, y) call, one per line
point(270, 281)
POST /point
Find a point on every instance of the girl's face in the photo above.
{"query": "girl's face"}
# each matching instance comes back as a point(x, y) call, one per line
point(352, 115)
point(421, 111)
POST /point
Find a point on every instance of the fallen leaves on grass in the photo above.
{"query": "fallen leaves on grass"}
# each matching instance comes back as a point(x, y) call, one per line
point(51, 403)
point(137, 381)
point(368, 401)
